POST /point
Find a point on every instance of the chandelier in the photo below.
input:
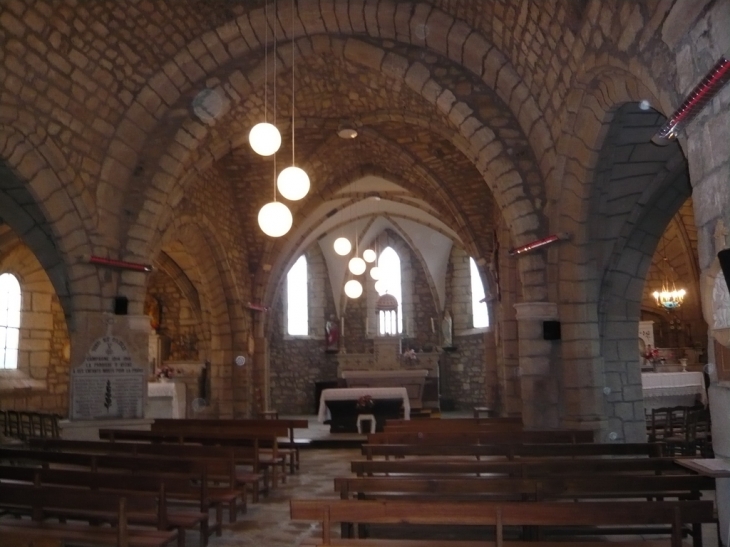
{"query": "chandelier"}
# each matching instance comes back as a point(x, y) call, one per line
point(669, 297)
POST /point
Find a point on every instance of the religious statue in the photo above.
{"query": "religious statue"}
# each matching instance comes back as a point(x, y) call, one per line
point(446, 332)
point(332, 334)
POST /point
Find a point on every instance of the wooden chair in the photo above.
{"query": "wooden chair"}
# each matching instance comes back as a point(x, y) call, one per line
point(13, 423)
point(668, 425)
point(698, 433)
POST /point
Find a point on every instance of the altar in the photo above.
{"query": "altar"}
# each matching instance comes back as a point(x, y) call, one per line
point(166, 400)
point(667, 389)
point(339, 406)
point(413, 381)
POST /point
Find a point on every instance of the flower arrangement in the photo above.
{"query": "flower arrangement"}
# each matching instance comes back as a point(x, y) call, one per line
point(365, 402)
point(164, 372)
point(651, 355)
point(410, 355)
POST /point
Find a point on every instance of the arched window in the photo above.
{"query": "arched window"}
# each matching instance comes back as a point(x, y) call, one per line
point(9, 321)
point(297, 310)
point(390, 282)
point(479, 311)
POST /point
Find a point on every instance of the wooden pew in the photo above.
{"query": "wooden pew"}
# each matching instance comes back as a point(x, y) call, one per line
point(523, 467)
point(484, 421)
point(177, 487)
point(251, 440)
point(224, 428)
point(499, 515)
point(218, 469)
point(230, 456)
point(43, 502)
point(554, 487)
point(578, 488)
point(512, 451)
point(481, 436)
point(290, 424)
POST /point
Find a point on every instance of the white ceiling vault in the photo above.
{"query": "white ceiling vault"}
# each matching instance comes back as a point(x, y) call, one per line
point(364, 209)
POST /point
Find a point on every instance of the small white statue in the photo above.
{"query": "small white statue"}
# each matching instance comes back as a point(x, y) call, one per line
point(446, 331)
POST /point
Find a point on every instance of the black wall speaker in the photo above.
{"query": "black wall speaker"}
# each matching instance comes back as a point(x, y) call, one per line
point(121, 303)
point(551, 330)
point(724, 258)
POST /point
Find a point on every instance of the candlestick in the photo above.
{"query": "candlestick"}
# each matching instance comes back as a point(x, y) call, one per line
point(433, 327)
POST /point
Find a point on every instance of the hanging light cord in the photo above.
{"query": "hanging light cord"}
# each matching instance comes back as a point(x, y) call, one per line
point(266, 62)
point(293, 49)
point(276, 15)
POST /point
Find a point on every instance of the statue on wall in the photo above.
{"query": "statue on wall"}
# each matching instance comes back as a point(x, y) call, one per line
point(446, 330)
point(332, 335)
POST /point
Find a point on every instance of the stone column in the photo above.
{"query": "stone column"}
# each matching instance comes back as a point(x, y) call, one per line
point(538, 367)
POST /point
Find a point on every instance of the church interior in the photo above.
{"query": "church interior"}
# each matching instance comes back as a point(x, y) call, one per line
point(266, 209)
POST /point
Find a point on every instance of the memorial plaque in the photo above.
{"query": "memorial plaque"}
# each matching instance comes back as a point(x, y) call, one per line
point(108, 385)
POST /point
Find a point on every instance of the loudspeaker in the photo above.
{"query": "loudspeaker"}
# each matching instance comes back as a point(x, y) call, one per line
point(551, 330)
point(724, 258)
point(120, 305)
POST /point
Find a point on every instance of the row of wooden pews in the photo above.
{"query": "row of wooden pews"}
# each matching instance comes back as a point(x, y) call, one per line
point(524, 487)
point(188, 472)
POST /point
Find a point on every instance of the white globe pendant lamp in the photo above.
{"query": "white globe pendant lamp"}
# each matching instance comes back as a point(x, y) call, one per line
point(380, 286)
point(353, 288)
point(369, 255)
point(265, 139)
point(293, 183)
point(275, 219)
point(357, 266)
point(375, 273)
point(342, 246)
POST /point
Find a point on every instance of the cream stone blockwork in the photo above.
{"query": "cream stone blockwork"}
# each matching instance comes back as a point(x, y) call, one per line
point(484, 110)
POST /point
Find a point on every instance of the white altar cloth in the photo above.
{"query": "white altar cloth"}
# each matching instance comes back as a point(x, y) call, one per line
point(350, 393)
point(672, 388)
point(166, 400)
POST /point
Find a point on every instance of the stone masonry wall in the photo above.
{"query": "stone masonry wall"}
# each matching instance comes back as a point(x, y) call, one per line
point(44, 341)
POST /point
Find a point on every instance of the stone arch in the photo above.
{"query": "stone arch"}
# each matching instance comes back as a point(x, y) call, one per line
point(463, 46)
point(220, 302)
point(599, 98)
point(46, 218)
point(489, 155)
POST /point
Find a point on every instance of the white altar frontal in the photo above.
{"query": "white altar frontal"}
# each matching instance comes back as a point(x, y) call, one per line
point(166, 400)
point(351, 394)
point(667, 389)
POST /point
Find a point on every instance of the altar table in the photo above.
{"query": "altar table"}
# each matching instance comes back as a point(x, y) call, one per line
point(666, 389)
point(166, 400)
point(354, 393)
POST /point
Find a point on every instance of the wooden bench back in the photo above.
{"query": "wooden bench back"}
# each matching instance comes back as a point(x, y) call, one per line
point(573, 487)
point(478, 436)
point(187, 451)
point(235, 423)
point(452, 421)
point(502, 513)
point(249, 431)
point(41, 501)
point(144, 481)
point(101, 461)
point(524, 467)
point(195, 436)
point(441, 426)
point(512, 451)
